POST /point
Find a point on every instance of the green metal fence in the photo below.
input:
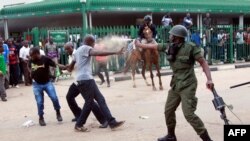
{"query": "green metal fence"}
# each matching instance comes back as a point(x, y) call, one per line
point(228, 52)
point(229, 49)
point(116, 63)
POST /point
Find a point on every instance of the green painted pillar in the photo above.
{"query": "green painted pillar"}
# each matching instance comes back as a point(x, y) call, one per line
point(6, 29)
point(84, 17)
point(231, 59)
point(132, 32)
point(24, 35)
point(35, 32)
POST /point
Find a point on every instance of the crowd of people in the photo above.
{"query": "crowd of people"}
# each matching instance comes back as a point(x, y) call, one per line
point(213, 38)
point(16, 61)
point(38, 70)
point(15, 56)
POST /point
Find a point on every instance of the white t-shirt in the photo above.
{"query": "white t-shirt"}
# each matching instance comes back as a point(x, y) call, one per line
point(204, 40)
point(42, 52)
point(83, 63)
point(71, 57)
point(240, 39)
point(166, 21)
point(24, 52)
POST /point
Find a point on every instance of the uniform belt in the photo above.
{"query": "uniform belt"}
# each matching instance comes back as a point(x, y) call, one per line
point(182, 70)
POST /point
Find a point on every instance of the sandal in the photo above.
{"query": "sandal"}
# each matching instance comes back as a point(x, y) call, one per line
point(81, 129)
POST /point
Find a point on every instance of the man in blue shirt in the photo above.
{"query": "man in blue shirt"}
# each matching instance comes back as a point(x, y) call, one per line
point(195, 37)
point(6, 59)
point(5, 51)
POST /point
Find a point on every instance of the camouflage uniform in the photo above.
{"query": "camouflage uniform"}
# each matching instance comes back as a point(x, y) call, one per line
point(183, 88)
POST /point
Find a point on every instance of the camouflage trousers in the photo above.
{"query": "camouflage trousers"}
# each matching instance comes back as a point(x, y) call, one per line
point(188, 100)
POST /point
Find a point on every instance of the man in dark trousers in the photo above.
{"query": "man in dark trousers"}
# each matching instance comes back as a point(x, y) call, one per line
point(13, 64)
point(73, 92)
point(86, 83)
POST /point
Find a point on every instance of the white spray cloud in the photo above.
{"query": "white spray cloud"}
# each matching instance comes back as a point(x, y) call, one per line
point(114, 43)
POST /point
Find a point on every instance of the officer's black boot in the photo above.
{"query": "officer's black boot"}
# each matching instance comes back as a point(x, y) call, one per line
point(169, 137)
point(205, 136)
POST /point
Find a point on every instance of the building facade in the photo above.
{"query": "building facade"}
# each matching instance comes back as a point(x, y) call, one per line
point(91, 13)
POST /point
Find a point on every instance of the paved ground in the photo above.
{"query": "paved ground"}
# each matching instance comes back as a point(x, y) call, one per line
point(126, 103)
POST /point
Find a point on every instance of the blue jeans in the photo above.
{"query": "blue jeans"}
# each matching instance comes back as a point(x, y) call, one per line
point(221, 53)
point(49, 88)
point(90, 92)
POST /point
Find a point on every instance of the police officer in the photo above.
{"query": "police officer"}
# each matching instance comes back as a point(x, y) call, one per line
point(147, 23)
point(182, 56)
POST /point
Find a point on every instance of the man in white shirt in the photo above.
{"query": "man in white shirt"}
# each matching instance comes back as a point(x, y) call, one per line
point(167, 20)
point(87, 86)
point(167, 23)
point(188, 23)
point(239, 44)
point(73, 92)
point(24, 55)
point(222, 38)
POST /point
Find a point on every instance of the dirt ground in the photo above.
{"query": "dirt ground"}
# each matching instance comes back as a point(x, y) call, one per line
point(126, 103)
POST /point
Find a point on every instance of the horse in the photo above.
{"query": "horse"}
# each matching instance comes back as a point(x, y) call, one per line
point(147, 57)
point(150, 57)
point(133, 58)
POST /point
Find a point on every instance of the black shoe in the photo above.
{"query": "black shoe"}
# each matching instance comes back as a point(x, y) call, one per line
point(116, 124)
point(4, 99)
point(42, 122)
point(205, 136)
point(167, 138)
point(104, 125)
point(81, 129)
point(59, 117)
point(74, 120)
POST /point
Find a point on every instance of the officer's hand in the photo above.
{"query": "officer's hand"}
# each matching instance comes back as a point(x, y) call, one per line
point(137, 43)
point(121, 51)
point(210, 84)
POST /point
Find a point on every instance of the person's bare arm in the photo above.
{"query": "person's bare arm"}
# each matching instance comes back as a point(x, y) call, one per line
point(95, 52)
point(206, 70)
point(62, 67)
point(68, 67)
point(71, 66)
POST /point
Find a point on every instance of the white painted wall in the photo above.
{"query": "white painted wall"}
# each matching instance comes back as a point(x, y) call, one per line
point(8, 2)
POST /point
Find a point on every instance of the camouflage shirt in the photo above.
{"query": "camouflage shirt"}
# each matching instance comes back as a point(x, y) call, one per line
point(183, 66)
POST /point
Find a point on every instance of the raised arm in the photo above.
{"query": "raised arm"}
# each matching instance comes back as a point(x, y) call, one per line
point(94, 52)
point(146, 46)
